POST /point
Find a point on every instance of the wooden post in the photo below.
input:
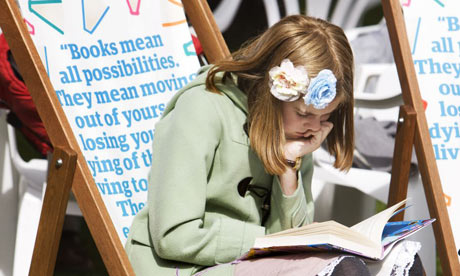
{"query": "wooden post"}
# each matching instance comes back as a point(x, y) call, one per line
point(59, 182)
point(210, 37)
point(424, 149)
point(402, 156)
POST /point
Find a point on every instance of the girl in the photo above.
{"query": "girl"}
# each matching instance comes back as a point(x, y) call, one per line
point(233, 154)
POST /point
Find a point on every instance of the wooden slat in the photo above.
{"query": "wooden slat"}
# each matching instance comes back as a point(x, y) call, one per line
point(208, 33)
point(402, 156)
point(60, 133)
point(59, 183)
point(426, 160)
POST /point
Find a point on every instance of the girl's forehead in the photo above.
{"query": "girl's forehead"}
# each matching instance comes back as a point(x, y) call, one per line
point(302, 107)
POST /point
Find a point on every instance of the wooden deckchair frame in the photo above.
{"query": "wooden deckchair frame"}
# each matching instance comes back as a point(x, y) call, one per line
point(68, 169)
point(76, 174)
point(416, 133)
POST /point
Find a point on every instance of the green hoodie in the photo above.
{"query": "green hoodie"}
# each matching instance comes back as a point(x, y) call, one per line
point(195, 215)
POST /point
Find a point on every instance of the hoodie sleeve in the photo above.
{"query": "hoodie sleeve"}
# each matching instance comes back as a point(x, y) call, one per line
point(294, 210)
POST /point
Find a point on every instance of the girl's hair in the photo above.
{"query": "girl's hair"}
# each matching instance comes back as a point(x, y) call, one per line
point(313, 43)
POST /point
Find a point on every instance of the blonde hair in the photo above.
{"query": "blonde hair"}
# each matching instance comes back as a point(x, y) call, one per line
point(313, 43)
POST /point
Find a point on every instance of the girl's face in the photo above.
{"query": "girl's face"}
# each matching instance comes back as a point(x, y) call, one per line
point(301, 120)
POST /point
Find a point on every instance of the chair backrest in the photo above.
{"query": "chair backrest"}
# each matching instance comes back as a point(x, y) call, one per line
point(114, 66)
point(344, 13)
point(34, 169)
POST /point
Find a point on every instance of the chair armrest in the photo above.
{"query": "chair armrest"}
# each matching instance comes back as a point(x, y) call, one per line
point(34, 170)
point(370, 182)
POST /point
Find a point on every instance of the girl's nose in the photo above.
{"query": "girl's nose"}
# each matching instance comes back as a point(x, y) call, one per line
point(314, 123)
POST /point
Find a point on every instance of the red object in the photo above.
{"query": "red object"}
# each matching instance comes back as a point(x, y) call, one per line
point(425, 104)
point(197, 44)
point(15, 97)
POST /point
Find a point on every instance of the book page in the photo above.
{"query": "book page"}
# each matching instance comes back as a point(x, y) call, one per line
point(327, 240)
point(310, 228)
point(364, 238)
point(373, 226)
point(327, 227)
point(323, 234)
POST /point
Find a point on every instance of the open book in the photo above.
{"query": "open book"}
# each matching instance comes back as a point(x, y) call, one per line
point(372, 238)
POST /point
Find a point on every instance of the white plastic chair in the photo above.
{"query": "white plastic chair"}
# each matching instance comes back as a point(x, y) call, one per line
point(226, 11)
point(32, 176)
point(8, 201)
point(273, 11)
point(31, 185)
point(382, 103)
point(346, 14)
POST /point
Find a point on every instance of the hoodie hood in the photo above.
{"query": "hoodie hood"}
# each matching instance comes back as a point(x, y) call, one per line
point(228, 89)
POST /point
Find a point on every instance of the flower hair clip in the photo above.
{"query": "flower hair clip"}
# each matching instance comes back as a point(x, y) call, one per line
point(322, 89)
point(288, 83)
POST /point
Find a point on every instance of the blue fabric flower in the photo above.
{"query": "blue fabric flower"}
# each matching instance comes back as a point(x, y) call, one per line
point(321, 90)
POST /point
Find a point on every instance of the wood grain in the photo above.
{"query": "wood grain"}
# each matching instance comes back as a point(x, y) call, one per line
point(402, 155)
point(59, 183)
point(208, 32)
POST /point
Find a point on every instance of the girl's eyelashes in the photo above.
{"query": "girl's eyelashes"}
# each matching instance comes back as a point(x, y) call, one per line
point(324, 117)
point(303, 114)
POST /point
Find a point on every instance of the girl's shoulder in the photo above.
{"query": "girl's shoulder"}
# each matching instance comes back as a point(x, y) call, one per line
point(197, 96)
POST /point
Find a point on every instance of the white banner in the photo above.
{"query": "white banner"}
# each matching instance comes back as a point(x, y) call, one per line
point(434, 34)
point(114, 66)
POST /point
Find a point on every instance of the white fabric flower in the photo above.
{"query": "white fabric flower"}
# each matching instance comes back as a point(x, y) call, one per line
point(288, 83)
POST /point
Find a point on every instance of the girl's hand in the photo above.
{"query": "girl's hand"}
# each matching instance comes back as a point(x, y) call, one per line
point(310, 142)
point(298, 148)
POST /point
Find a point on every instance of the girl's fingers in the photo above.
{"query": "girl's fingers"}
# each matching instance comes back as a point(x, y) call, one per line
point(326, 128)
point(321, 134)
point(300, 147)
point(316, 138)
